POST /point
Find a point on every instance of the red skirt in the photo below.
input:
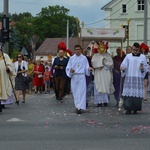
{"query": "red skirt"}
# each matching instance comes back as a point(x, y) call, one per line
point(37, 81)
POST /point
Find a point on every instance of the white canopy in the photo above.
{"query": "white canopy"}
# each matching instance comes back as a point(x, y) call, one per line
point(97, 34)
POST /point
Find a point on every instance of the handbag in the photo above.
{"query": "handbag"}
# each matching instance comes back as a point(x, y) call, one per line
point(40, 76)
point(27, 79)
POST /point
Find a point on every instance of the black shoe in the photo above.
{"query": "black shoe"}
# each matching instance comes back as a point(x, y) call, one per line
point(128, 112)
point(17, 102)
point(105, 104)
point(61, 101)
point(87, 104)
point(78, 111)
point(99, 105)
point(134, 112)
point(117, 104)
point(3, 106)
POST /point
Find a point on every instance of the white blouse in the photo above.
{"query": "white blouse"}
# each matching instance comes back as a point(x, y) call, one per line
point(23, 65)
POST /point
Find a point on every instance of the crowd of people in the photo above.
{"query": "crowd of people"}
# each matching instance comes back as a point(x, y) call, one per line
point(98, 75)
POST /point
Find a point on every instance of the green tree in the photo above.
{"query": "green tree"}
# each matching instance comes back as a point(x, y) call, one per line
point(21, 16)
point(51, 22)
point(15, 53)
point(15, 39)
point(22, 30)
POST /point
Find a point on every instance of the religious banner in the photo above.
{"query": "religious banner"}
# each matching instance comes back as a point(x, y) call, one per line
point(97, 34)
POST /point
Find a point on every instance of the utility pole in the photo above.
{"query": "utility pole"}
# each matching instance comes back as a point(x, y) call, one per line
point(145, 20)
point(82, 41)
point(67, 34)
point(77, 23)
point(5, 13)
point(34, 40)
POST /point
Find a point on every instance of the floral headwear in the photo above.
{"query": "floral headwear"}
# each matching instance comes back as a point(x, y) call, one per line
point(144, 48)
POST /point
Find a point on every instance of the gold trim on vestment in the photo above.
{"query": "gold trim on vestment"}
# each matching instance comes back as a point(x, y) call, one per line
point(0, 84)
point(1, 58)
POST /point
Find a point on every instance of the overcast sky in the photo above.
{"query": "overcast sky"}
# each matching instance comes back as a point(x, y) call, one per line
point(88, 11)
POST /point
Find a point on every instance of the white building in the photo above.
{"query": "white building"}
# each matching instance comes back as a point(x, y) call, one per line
point(117, 12)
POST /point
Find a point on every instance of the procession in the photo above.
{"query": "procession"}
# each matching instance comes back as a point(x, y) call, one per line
point(75, 75)
point(99, 75)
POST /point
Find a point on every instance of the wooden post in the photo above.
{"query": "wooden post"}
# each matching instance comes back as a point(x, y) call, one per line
point(128, 36)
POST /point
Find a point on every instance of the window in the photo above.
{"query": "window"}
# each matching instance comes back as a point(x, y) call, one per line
point(140, 5)
point(124, 8)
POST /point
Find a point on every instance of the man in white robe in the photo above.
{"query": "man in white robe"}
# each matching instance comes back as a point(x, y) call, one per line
point(76, 69)
point(134, 67)
point(5, 85)
point(103, 80)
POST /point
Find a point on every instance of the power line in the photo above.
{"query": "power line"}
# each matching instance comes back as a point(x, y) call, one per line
point(119, 16)
point(108, 16)
point(115, 18)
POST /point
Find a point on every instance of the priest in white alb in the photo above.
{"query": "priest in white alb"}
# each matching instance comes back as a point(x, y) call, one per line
point(6, 70)
point(103, 80)
point(76, 69)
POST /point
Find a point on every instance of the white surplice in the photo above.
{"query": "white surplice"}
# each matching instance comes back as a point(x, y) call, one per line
point(134, 77)
point(78, 80)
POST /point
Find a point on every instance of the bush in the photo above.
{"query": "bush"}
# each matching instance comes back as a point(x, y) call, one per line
point(14, 54)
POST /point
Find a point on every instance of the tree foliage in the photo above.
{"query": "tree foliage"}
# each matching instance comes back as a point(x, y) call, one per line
point(51, 22)
point(15, 53)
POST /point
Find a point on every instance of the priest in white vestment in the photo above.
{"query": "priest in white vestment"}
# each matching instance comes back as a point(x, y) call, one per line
point(5, 85)
point(76, 69)
point(103, 79)
point(134, 67)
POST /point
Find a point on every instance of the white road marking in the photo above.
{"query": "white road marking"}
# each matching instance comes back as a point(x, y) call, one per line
point(14, 120)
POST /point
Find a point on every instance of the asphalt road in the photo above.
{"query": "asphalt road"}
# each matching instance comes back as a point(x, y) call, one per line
point(44, 124)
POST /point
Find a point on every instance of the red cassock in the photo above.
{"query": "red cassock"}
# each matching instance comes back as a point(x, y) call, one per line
point(36, 80)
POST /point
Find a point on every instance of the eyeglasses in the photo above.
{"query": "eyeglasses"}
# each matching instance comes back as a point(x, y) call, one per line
point(135, 49)
point(19, 56)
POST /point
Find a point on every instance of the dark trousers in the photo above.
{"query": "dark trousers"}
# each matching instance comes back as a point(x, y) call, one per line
point(67, 86)
point(59, 87)
point(0, 107)
point(133, 103)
